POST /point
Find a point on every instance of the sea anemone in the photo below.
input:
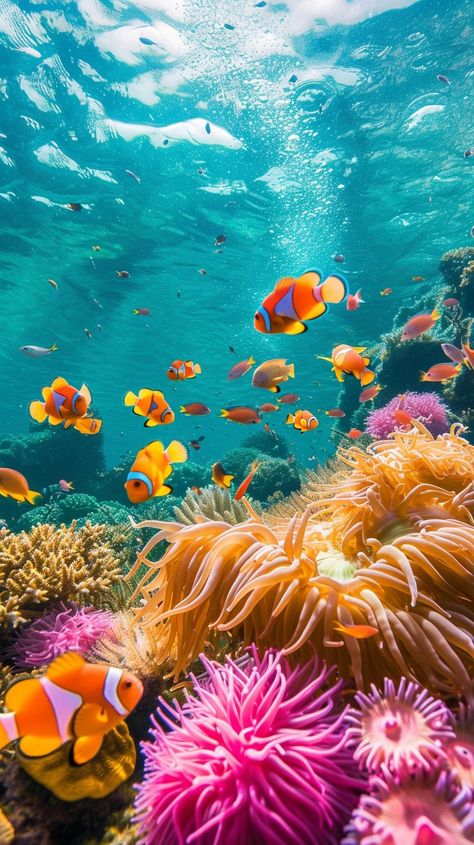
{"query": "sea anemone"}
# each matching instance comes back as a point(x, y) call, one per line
point(255, 755)
point(420, 811)
point(427, 408)
point(403, 728)
point(393, 563)
point(460, 750)
point(132, 645)
point(59, 630)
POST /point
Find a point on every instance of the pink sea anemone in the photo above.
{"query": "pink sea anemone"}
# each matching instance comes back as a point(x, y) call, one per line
point(256, 755)
point(422, 811)
point(427, 408)
point(404, 728)
point(63, 629)
point(460, 750)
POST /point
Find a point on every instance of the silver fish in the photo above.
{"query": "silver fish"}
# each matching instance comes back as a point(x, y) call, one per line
point(38, 351)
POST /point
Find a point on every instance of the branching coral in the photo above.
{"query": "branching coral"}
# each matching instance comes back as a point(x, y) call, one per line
point(256, 756)
point(48, 565)
point(57, 631)
point(416, 812)
point(404, 728)
point(213, 503)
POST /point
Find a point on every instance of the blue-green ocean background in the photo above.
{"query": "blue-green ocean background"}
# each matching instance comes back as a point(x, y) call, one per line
point(336, 158)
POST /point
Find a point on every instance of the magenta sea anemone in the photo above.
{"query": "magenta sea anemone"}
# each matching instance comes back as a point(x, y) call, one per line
point(428, 408)
point(256, 755)
point(66, 628)
point(404, 728)
point(422, 811)
point(460, 750)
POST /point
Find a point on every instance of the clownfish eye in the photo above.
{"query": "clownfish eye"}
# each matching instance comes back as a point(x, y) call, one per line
point(136, 483)
point(127, 684)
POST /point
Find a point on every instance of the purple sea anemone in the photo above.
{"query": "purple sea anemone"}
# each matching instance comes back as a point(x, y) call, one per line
point(422, 811)
point(404, 729)
point(256, 755)
point(70, 628)
point(428, 408)
point(460, 750)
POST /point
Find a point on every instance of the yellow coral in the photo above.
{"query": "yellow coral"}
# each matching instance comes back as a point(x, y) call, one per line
point(51, 564)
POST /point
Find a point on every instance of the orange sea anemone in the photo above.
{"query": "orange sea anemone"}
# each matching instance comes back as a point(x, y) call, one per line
point(392, 563)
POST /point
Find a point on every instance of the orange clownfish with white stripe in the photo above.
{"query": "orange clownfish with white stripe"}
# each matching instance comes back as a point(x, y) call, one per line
point(152, 466)
point(180, 370)
point(296, 300)
point(75, 701)
point(64, 403)
point(349, 360)
point(150, 404)
point(302, 421)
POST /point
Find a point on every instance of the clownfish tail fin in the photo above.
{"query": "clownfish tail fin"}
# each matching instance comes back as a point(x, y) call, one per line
point(176, 452)
point(37, 411)
point(334, 289)
point(130, 398)
point(197, 369)
point(290, 418)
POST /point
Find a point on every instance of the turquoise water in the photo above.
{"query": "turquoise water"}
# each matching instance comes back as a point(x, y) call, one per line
point(338, 139)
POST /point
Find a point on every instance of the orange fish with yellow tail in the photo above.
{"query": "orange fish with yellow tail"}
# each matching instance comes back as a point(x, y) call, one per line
point(295, 300)
point(75, 701)
point(350, 361)
point(179, 370)
point(220, 477)
point(152, 466)
point(15, 485)
point(65, 404)
point(302, 421)
point(150, 404)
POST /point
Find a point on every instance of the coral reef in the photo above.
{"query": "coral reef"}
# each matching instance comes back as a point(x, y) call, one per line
point(48, 565)
point(414, 812)
point(427, 408)
point(395, 553)
point(214, 503)
point(403, 728)
point(264, 442)
point(59, 630)
point(255, 756)
point(132, 645)
point(111, 766)
point(274, 473)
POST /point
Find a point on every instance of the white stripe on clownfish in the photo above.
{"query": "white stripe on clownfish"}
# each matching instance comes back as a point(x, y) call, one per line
point(111, 683)
point(64, 704)
point(8, 723)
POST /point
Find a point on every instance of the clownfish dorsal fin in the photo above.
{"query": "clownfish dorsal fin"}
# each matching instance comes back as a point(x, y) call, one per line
point(85, 392)
point(19, 692)
point(65, 664)
point(46, 393)
point(144, 392)
point(284, 283)
point(59, 382)
point(313, 276)
point(89, 719)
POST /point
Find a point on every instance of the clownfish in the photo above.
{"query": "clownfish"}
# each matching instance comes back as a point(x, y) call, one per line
point(151, 404)
point(15, 485)
point(75, 701)
point(349, 360)
point(63, 403)
point(151, 467)
point(302, 421)
point(180, 370)
point(294, 300)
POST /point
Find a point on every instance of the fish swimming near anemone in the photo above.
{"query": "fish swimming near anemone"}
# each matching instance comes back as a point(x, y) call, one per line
point(152, 466)
point(64, 404)
point(349, 360)
point(74, 700)
point(150, 404)
point(294, 301)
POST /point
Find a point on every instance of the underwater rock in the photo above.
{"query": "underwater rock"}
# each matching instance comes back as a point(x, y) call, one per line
point(214, 503)
point(110, 767)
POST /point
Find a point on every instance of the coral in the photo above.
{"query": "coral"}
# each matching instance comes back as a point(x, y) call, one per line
point(57, 631)
point(402, 728)
point(274, 473)
point(48, 565)
point(76, 507)
point(428, 408)
point(255, 756)
point(417, 812)
point(7, 831)
point(453, 265)
point(110, 767)
point(214, 503)
point(132, 645)
point(263, 441)
point(395, 553)
point(460, 750)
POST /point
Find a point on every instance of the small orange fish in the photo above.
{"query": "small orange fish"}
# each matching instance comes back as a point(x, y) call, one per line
point(268, 408)
point(354, 300)
point(197, 490)
point(349, 360)
point(270, 430)
point(402, 417)
point(359, 632)
point(441, 372)
point(15, 485)
point(386, 292)
point(122, 274)
point(302, 421)
point(355, 433)
point(335, 412)
point(150, 404)
point(297, 299)
point(241, 414)
point(220, 477)
point(179, 370)
point(418, 278)
point(370, 393)
point(75, 701)
point(419, 324)
point(270, 374)
point(240, 369)
point(152, 466)
point(242, 489)
point(469, 353)
point(195, 409)
point(53, 284)
point(288, 399)
point(74, 206)
point(63, 403)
